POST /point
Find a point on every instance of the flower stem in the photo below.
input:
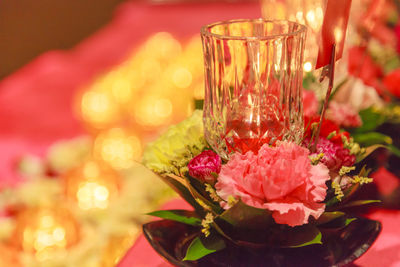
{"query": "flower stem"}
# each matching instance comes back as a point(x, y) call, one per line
point(328, 71)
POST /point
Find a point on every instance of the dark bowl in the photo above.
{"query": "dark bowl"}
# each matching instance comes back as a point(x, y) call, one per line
point(340, 247)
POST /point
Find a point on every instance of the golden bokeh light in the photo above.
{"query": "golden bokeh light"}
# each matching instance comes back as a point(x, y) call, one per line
point(92, 195)
point(150, 70)
point(163, 45)
point(162, 108)
point(118, 148)
point(182, 78)
point(153, 111)
point(121, 90)
point(308, 66)
point(153, 88)
point(99, 109)
point(92, 185)
point(44, 230)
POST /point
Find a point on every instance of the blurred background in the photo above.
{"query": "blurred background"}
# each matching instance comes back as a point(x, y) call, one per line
point(29, 28)
point(84, 86)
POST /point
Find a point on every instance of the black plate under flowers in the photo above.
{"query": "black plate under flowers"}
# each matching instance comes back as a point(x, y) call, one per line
point(171, 240)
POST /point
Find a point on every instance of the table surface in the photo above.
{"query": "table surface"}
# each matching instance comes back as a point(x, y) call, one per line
point(36, 101)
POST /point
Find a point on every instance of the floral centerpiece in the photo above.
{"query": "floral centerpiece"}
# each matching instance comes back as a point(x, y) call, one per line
point(285, 197)
point(267, 185)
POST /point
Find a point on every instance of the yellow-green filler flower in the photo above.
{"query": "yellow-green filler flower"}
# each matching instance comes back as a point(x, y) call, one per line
point(172, 151)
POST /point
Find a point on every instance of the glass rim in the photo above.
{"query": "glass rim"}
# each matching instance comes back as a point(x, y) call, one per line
point(205, 29)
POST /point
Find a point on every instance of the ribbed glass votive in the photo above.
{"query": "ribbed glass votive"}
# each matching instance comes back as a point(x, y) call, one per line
point(253, 78)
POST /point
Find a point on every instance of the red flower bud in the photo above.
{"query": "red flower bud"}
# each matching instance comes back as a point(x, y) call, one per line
point(203, 165)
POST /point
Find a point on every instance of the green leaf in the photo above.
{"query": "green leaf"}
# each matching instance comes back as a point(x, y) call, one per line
point(372, 138)
point(183, 216)
point(394, 150)
point(371, 120)
point(197, 190)
point(347, 193)
point(254, 227)
point(183, 192)
point(364, 172)
point(368, 151)
point(244, 216)
point(359, 203)
point(327, 217)
point(316, 240)
point(245, 224)
point(349, 220)
point(203, 247)
point(391, 64)
point(371, 149)
point(301, 236)
point(308, 80)
point(197, 250)
point(338, 223)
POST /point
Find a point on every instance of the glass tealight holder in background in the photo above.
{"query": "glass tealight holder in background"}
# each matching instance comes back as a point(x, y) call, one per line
point(253, 83)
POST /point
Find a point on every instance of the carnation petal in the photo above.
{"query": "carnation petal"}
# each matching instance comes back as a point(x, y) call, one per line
point(294, 213)
point(280, 179)
point(319, 176)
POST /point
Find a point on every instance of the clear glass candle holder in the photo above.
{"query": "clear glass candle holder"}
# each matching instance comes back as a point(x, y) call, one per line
point(253, 84)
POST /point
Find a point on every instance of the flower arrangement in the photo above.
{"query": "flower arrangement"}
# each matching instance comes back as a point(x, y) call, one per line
point(268, 182)
point(285, 196)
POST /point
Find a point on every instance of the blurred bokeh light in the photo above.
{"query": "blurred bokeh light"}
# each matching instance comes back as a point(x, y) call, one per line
point(44, 230)
point(129, 105)
point(92, 185)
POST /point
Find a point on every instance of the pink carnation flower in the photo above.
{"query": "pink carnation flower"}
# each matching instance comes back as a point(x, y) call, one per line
point(310, 103)
point(280, 179)
point(203, 165)
point(343, 115)
point(335, 155)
